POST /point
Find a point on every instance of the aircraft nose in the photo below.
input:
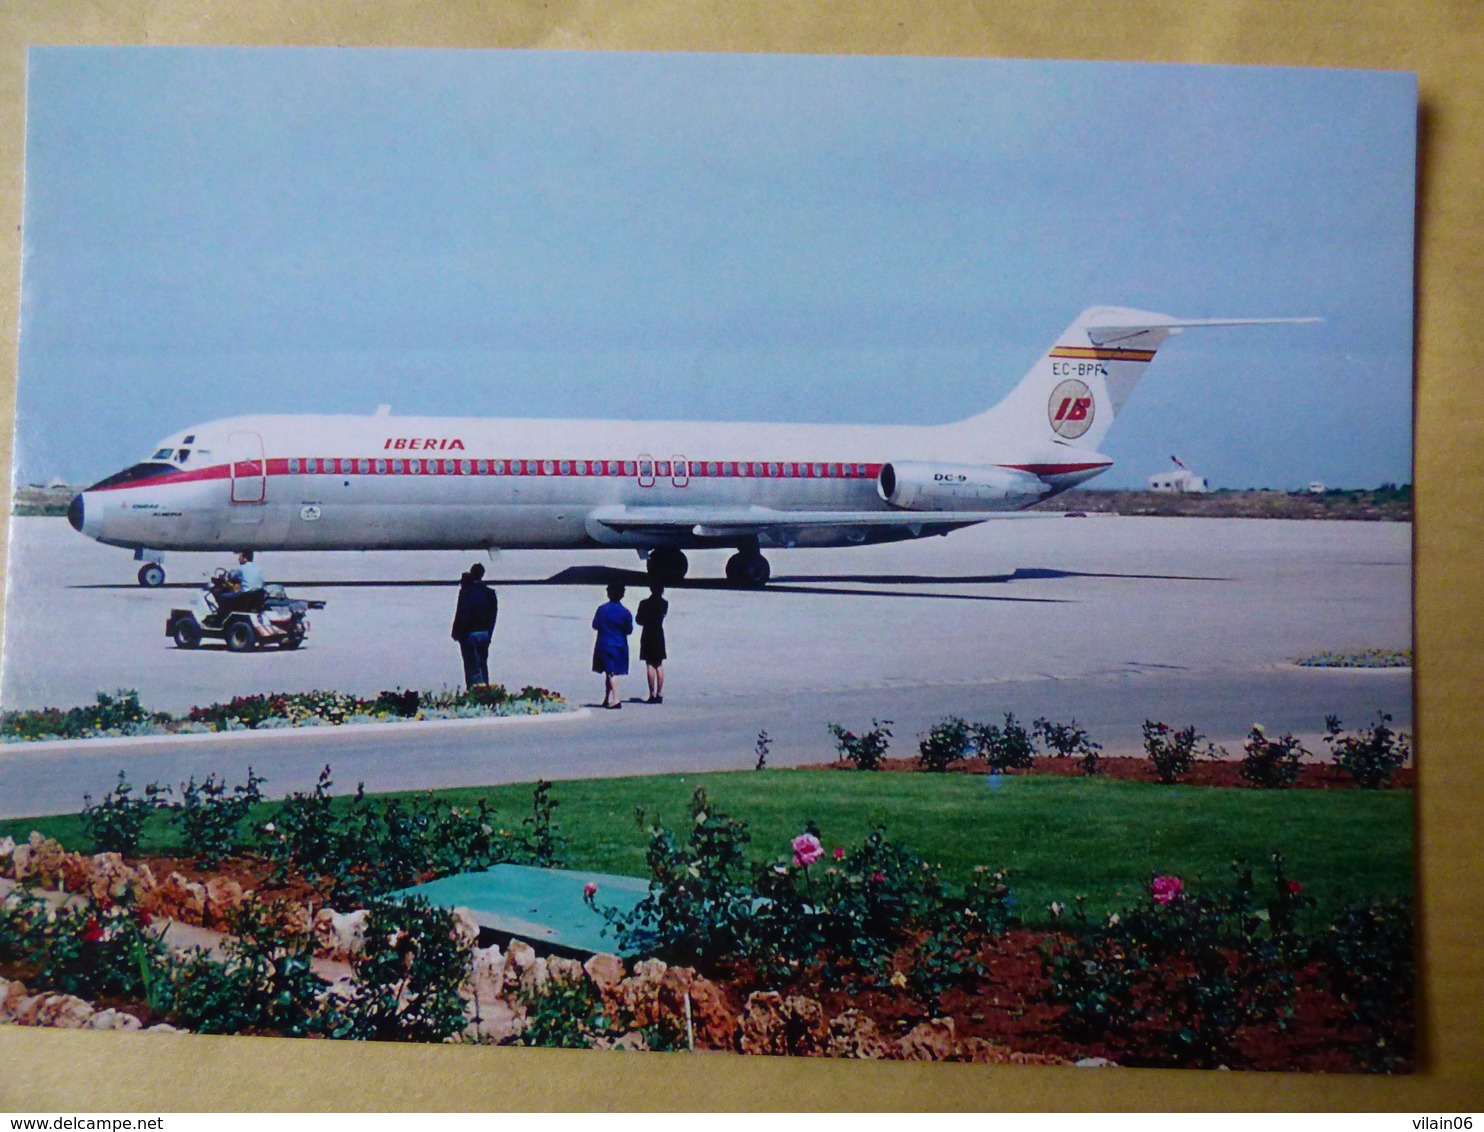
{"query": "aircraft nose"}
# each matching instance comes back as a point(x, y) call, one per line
point(74, 513)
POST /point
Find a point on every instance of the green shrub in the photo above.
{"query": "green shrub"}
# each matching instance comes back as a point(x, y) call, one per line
point(1371, 756)
point(1367, 955)
point(945, 743)
point(406, 980)
point(1008, 747)
point(89, 950)
point(1271, 763)
point(364, 847)
point(865, 751)
point(565, 1014)
point(1066, 740)
point(264, 983)
point(115, 824)
point(1196, 969)
point(209, 816)
point(1172, 752)
point(700, 901)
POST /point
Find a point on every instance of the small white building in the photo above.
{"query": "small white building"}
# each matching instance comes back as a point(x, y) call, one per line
point(1178, 480)
point(1316, 487)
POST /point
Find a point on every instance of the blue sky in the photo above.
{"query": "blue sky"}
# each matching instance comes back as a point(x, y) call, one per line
point(212, 232)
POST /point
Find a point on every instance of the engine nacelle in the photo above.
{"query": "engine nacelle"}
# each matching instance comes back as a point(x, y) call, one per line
point(917, 486)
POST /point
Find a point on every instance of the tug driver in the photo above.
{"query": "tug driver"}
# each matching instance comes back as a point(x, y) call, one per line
point(249, 578)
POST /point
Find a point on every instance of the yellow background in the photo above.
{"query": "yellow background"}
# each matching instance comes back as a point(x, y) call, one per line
point(1442, 41)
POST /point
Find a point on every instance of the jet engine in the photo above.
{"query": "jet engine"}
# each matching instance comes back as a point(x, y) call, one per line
point(919, 486)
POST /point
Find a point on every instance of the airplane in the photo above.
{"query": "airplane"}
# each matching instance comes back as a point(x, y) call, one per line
point(384, 482)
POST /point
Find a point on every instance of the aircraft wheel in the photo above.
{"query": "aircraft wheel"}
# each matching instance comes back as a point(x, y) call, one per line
point(240, 637)
point(748, 570)
point(151, 575)
point(187, 633)
point(667, 566)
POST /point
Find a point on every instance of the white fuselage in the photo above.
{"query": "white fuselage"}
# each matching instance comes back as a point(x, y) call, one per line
point(419, 483)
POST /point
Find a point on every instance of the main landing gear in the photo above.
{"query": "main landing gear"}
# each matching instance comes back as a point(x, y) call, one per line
point(151, 575)
point(748, 568)
point(667, 565)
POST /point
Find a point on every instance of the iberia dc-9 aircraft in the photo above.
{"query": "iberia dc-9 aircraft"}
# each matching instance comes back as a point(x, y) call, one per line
point(385, 482)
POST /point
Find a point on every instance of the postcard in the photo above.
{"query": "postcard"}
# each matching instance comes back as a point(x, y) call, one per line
point(887, 558)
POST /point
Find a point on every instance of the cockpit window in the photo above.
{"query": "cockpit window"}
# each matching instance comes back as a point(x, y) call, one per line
point(162, 454)
point(145, 471)
point(183, 455)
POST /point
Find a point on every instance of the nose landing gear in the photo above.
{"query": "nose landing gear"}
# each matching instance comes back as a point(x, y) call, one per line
point(151, 575)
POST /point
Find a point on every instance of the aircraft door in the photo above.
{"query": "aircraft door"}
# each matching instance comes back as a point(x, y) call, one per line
point(249, 469)
point(679, 471)
point(646, 470)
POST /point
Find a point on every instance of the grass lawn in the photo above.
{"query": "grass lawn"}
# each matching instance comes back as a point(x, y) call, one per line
point(1060, 836)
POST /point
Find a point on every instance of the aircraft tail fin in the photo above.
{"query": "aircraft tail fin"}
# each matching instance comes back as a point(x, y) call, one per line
point(1072, 394)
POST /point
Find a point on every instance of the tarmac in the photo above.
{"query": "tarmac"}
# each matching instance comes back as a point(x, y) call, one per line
point(1108, 619)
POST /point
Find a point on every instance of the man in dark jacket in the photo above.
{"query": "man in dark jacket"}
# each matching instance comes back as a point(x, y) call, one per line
point(474, 624)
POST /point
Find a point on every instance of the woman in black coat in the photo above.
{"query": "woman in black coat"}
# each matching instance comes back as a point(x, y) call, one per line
point(651, 619)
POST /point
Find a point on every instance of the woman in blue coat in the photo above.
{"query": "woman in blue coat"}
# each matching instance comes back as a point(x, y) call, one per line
point(611, 652)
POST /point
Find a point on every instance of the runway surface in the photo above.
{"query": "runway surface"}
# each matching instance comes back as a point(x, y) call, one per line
point(1111, 620)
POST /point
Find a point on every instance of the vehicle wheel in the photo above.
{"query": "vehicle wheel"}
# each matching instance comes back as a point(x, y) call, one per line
point(290, 642)
point(152, 575)
point(187, 633)
point(667, 566)
point(750, 570)
point(240, 637)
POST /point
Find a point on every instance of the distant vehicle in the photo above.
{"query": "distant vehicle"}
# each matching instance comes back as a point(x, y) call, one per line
point(217, 612)
point(1316, 487)
point(418, 483)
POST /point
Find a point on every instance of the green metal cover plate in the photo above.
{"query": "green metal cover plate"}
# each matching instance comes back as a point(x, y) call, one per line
point(540, 905)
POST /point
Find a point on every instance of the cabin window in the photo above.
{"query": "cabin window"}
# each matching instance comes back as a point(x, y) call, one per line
point(548, 468)
point(566, 467)
point(293, 466)
point(466, 467)
point(381, 467)
point(396, 467)
point(364, 466)
point(497, 467)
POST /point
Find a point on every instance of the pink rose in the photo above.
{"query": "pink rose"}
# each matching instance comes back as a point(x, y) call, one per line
point(1292, 887)
point(877, 877)
point(1166, 889)
point(839, 853)
point(589, 890)
point(807, 850)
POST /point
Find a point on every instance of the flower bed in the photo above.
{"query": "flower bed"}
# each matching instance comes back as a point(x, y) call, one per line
point(120, 714)
point(820, 948)
point(1365, 658)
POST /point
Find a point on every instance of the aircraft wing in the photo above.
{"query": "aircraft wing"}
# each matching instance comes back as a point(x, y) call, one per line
point(725, 522)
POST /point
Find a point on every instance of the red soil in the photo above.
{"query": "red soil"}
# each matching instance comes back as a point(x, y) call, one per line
point(1205, 772)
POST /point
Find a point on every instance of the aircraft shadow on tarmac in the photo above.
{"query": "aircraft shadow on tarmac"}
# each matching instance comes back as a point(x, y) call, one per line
point(783, 584)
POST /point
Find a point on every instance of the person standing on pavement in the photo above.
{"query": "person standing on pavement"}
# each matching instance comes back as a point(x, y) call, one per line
point(474, 625)
point(651, 619)
point(614, 623)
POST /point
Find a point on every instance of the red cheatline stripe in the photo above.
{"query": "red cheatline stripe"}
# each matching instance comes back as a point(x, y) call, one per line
point(1103, 353)
point(611, 469)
